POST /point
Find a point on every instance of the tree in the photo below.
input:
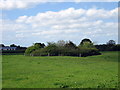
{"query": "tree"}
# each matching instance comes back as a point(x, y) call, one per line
point(2, 45)
point(62, 48)
point(13, 45)
point(51, 49)
point(61, 43)
point(85, 41)
point(29, 50)
point(39, 45)
point(36, 46)
point(71, 45)
point(87, 45)
point(40, 52)
point(87, 48)
point(111, 42)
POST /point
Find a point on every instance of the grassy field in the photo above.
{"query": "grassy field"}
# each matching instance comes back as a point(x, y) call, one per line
point(61, 72)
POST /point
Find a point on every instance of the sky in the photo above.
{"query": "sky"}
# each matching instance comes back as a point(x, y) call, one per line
point(24, 23)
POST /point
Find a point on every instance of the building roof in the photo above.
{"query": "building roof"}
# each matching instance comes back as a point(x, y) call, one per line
point(7, 47)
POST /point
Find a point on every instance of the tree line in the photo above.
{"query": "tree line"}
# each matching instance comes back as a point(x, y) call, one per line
point(63, 48)
point(13, 45)
point(109, 46)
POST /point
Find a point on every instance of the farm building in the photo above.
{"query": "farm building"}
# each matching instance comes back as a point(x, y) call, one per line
point(8, 48)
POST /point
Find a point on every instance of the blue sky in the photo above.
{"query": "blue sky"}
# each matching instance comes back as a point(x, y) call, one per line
point(52, 6)
point(46, 22)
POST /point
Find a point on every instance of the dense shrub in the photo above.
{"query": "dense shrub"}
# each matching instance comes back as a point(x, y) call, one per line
point(39, 52)
point(70, 52)
point(29, 50)
point(65, 52)
point(33, 48)
point(105, 47)
point(52, 49)
point(88, 49)
point(89, 52)
point(62, 48)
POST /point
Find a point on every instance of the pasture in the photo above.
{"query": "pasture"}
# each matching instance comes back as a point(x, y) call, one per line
point(99, 71)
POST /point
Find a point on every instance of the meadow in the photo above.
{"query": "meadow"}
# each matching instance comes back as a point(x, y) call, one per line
point(99, 71)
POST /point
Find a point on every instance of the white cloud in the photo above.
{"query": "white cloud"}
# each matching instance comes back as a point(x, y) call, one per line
point(8, 25)
point(20, 4)
point(69, 18)
point(65, 24)
point(16, 4)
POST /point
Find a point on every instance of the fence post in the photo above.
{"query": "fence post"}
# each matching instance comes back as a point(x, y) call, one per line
point(48, 54)
point(79, 55)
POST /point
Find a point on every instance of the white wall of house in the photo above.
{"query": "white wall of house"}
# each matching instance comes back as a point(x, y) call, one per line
point(7, 48)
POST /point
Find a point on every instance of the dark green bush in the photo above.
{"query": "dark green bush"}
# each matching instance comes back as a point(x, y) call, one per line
point(68, 49)
point(29, 50)
point(89, 52)
point(33, 48)
point(39, 52)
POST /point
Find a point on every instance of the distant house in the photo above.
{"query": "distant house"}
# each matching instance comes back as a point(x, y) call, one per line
point(8, 48)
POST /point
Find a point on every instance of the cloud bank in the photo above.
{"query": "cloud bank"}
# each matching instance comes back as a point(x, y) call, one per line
point(70, 24)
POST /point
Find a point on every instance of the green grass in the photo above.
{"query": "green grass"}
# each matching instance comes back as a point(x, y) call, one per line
point(60, 72)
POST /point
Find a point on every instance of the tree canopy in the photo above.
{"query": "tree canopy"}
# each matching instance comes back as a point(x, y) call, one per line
point(13, 45)
point(85, 41)
point(63, 48)
point(111, 42)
